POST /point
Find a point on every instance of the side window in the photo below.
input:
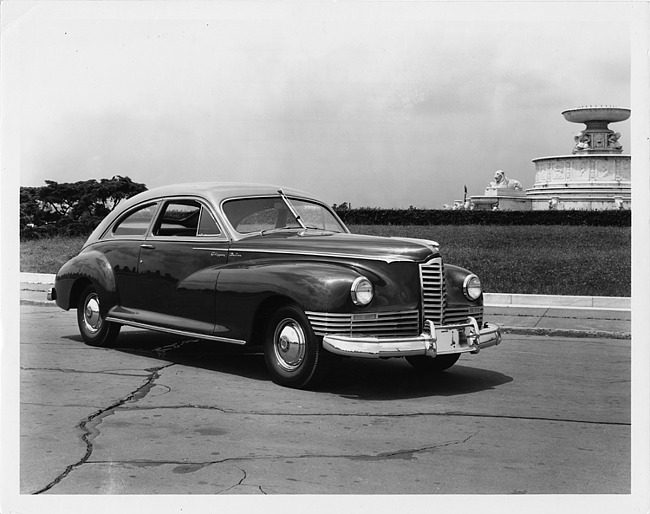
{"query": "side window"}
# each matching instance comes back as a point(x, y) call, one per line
point(207, 225)
point(136, 223)
point(179, 218)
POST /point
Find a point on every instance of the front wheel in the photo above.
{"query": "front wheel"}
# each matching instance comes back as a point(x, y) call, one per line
point(94, 328)
point(293, 353)
point(439, 363)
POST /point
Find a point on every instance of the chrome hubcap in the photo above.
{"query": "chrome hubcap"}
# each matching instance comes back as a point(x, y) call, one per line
point(92, 318)
point(289, 344)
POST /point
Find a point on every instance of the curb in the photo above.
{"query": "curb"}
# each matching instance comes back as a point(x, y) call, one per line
point(577, 302)
point(39, 303)
point(37, 278)
point(559, 332)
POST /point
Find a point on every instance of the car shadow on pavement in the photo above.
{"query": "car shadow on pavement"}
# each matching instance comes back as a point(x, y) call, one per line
point(393, 379)
point(197, 353)
point(355, 378)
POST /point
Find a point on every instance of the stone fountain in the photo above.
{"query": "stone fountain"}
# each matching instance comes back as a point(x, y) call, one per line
point(595, 176)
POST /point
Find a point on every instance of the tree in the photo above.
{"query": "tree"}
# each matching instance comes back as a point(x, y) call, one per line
point(72, 208)
point(88, 197)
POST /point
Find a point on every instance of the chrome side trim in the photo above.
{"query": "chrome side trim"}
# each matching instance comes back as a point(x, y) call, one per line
point(388, 259)
point(174, 331)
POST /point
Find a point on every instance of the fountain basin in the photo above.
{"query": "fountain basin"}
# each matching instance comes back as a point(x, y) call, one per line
point(603, 114)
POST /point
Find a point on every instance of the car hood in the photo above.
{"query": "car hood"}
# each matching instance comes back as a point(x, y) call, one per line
point(319, 243)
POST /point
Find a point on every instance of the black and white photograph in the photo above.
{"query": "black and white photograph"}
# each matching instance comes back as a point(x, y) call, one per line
point(346, 255)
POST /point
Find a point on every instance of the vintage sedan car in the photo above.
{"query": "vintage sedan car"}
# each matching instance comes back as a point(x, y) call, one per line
point(276, 268)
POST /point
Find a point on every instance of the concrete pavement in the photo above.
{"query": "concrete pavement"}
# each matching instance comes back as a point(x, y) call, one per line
point(570, 316)
point(160, 414)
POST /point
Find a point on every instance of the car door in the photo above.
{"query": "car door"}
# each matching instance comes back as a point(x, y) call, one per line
point(178, 267)
point(121, 246)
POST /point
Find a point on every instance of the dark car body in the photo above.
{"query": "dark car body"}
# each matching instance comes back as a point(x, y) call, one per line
point(258, 265)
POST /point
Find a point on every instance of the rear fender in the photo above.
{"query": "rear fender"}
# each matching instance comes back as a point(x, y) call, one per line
point(88, 267)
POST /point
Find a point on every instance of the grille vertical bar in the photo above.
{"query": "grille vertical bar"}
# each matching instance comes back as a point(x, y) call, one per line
point(433, 289)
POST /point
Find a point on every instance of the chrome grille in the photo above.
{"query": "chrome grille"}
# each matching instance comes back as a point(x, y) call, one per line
point(433, 289)
point(460, 313)
point(379, 324)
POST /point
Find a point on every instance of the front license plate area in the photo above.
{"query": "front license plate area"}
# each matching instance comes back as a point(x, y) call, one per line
point(452, 341)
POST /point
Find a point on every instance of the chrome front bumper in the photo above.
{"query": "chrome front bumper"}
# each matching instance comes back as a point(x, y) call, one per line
point(441, 340)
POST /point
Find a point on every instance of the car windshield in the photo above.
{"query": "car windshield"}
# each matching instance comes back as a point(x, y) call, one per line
point(249, 215)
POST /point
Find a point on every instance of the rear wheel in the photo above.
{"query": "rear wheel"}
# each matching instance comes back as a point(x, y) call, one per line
point(439, 363)
point(93, 326)
point(293, 353)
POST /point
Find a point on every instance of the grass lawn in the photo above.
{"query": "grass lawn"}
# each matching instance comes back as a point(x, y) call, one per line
point(48, 255)
point(563, 260)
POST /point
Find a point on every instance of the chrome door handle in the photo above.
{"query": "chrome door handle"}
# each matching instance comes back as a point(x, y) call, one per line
point(149, 247)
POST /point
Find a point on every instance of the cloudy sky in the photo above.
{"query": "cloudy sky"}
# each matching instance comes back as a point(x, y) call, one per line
point(375, 103)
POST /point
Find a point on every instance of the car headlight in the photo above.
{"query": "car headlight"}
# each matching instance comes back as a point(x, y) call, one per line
point(472, 287)
point(362, 291)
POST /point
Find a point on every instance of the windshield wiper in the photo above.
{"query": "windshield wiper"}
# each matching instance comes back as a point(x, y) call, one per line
point(291, 208)
point(279, 229)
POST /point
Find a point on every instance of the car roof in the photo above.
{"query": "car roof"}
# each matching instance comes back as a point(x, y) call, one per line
point(219, 191)
point(215, 192)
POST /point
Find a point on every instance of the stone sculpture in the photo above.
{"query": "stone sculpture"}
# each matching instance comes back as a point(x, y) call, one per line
point(501, 181)
point(612, 141)
point(583, 142)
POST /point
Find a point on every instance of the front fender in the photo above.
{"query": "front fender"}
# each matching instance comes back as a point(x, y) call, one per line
point(92, 266)
point(454, 277)
point(314, 286)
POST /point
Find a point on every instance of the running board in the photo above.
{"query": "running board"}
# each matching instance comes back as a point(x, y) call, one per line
point(174, 331)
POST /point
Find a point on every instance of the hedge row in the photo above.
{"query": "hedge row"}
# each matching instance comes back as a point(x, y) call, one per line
point(411, 216)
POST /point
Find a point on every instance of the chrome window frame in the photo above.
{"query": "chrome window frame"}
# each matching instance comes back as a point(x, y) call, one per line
point(110, 230)
point(204, 204)
point(204, 209)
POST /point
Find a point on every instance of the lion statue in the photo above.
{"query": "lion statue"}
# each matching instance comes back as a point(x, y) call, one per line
point(501, 181)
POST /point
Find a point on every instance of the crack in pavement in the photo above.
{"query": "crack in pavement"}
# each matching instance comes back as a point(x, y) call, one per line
point(188, 467)
point(382, 415)
point(161, 350)
point(245, 475)
point(410, 452)
point(98, 372)
point(89, 425)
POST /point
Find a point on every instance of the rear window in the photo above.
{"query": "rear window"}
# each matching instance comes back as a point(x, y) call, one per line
point(137, 222)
